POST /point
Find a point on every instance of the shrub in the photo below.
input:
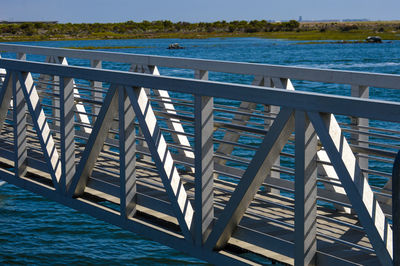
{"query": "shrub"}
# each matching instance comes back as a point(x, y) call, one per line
point(348, 28)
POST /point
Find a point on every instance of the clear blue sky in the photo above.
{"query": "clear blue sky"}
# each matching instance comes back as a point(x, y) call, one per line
point(196, 10)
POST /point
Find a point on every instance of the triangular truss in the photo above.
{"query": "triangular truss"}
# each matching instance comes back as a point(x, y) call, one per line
point(157, 145)
point(130, 103)
point(25, 95)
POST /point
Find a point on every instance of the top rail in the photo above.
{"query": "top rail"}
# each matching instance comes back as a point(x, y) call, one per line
point(297, 73)
point(388, 111)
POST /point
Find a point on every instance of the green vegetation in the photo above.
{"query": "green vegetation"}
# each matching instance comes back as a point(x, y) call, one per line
point(167, 29)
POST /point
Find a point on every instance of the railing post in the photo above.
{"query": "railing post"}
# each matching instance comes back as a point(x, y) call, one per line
point(97, 96)
point(127, 153)
point(204, 167)
point(67, 131)
point(396, 210)
point(305, 191)
point(20, 128)
point(280, 83)
point(21, 56)
point(360, 139)
point(141, 143)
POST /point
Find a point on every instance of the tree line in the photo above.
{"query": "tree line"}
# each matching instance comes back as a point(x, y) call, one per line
point(131, 27)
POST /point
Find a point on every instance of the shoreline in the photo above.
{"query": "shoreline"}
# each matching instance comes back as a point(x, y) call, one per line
point(292, 30)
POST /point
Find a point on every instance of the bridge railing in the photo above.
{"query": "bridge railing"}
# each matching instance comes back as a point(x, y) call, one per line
point(356, 84)
point(71, 127)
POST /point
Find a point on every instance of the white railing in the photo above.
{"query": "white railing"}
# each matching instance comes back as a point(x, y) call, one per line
point(76, 128)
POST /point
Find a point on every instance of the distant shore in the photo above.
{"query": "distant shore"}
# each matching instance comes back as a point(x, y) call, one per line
point(292, 30)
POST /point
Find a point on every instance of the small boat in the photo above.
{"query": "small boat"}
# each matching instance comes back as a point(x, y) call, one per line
point(2, 183)
point(175, 46)
point(375, 39)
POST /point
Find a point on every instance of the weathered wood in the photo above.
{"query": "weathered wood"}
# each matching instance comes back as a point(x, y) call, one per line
point(305, 191)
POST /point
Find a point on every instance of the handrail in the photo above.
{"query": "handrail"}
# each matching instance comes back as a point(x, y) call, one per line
point(388, 111)
point(389, 81)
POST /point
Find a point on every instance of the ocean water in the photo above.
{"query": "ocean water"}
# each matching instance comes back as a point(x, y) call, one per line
point(36, 231)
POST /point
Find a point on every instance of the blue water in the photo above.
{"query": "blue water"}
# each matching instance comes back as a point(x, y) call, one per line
point(36, 231)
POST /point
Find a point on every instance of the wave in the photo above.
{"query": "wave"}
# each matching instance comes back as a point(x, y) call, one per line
point(349, 66)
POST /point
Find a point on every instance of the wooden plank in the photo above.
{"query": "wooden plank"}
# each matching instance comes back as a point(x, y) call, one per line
point(305, 191)
point(204, 168)
point(356, 186)
point(255, 174)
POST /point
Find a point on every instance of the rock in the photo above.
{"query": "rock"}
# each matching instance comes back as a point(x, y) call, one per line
point(175, 46)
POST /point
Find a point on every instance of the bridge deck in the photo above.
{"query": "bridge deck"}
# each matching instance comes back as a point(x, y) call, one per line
point(259, 224)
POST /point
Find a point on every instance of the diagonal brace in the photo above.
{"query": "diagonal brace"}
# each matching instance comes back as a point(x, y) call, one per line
point(5, 97)
point(95, 142)
point(355, 184)
point(41, 125)
point(259, 168)
point(162, 157)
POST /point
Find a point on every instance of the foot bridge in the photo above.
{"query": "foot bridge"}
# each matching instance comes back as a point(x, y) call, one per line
point(233, 163)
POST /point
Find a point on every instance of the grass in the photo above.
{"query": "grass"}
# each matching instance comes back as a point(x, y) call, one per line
point(299, 36)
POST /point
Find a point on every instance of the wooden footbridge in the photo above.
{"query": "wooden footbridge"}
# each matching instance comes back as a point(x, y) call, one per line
point(225, 172)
